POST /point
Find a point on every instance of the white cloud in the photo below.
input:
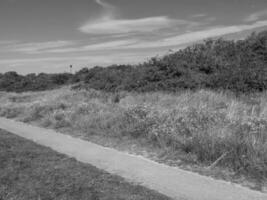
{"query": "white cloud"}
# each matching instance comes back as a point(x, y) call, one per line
point(110, 45)
point(137, 43)
point(109, 10)
point(117, 44)
point(198, 35)
point(122, 26)
point(179, 40)
point(32, 48)
point(104, 4)
point(110, 24)
point(256, 16)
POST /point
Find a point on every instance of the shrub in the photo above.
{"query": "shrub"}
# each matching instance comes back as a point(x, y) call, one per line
point(217, 64)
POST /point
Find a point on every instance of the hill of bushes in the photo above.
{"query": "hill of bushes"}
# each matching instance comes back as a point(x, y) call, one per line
point(239, 66)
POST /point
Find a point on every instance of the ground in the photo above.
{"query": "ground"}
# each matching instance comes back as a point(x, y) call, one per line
point(29, 172)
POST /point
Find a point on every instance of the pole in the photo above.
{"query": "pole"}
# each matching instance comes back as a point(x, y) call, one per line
point(71, 69)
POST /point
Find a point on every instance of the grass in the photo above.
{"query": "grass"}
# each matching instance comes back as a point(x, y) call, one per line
point(32, 172)
point(195, 128)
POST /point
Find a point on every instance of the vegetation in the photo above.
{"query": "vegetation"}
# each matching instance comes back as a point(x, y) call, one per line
point(239, 66)
point(190, 127)
point(204, 105)
point(13, 82)
point(29, 172)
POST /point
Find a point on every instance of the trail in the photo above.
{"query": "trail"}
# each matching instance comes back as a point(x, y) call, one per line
point(173, 182)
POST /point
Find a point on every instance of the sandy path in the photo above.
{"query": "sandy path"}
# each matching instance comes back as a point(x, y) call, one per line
point(173, 182)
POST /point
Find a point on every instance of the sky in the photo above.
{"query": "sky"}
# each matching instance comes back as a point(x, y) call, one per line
point(50, 35)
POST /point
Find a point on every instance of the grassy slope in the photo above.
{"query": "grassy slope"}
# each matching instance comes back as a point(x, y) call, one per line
point(29, 171)
point(186, 129)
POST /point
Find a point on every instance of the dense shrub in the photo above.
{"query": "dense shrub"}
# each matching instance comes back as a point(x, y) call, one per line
point(13, 82)
point(239, 66)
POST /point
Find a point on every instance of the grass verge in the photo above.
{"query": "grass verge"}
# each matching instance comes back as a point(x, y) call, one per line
point(32, 172)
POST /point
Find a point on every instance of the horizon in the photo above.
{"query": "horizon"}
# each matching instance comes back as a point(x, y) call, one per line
point(38, 36)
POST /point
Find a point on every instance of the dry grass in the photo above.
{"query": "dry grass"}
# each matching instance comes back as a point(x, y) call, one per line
point(203, 125)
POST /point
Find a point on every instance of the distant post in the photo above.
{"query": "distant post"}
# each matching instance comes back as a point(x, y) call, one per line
point(71, 69)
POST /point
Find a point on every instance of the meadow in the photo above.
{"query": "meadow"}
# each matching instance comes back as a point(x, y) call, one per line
point(211, 130)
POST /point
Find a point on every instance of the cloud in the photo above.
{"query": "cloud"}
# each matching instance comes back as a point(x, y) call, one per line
point(198, 35)
point(109, 10)
point(256, 16)
point(122, 26)
point(163, 42)
point(183, 38)
point(33, 48)
point(110, 45)
point(117, 44)
point(136, 42)
point(104, 4)
point(110, 24)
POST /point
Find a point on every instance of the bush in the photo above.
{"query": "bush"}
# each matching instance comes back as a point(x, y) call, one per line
point(217, 64)
point(13, 82)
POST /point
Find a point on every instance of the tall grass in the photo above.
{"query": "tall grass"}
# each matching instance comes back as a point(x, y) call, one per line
point(204, 125)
